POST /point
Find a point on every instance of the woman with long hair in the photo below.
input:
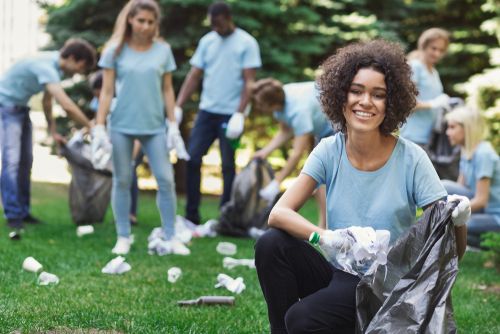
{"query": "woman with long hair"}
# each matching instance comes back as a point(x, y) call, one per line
point(479, 177)
point(432, 47)
point(140, 66)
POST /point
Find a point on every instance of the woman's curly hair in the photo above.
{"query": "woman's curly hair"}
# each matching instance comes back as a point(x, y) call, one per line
point(383, 56)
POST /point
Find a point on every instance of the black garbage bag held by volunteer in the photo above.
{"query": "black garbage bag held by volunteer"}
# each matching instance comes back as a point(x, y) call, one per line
point(246, 209)
point(412, 292)
point(89, 189)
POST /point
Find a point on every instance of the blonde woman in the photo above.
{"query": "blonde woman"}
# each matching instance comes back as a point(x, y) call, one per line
point(139, 65)
point(479, 177)
point(432, 47)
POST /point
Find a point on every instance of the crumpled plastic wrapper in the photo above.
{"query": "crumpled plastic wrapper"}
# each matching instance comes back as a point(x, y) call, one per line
point(230, 263)
point(116, 266)
point(235, 285)
point(226, 248)
point(46, 278)
point(174, 274)
point(363, 248)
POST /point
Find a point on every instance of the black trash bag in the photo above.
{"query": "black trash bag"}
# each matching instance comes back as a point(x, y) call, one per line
point(412, 292)
point(444, 156)
point(89, 189)
point(246, 209)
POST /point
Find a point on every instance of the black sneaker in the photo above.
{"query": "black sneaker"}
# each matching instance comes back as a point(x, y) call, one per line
point(29, 219)
point(15, 223)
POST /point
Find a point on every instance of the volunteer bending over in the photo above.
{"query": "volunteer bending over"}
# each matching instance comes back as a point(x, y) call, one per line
point(296, 107)
point(372, 177)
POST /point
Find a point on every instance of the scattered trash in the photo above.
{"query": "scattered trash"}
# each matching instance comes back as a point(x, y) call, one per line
point(230, 263)
point(116, 266)
point(46, 278)
point(174, 274)
point(206, 230)
point(30, 264)
point(84, 229)
point(158, 245)
point(226, 248)
point(14, 235)
point(233, 285)
point(183, 230)
point(255, 232)
point(208, 300)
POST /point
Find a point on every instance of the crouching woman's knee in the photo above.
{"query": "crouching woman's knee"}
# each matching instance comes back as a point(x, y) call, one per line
point(269, 246)
point(299, 320)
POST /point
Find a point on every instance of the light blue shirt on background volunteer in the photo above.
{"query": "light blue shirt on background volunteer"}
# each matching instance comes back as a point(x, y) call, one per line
point(302, 111)
point(222, 60)
point(418, 127)
point(383, 199)
point(29, 77)
point(484, 163)
point(139, 73)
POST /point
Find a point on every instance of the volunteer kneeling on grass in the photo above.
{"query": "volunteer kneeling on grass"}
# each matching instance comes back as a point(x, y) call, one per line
point(372, 177)
point(140, 66)
point(296, 107)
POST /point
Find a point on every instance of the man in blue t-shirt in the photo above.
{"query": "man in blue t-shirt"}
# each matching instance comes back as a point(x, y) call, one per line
point(23, 80)
point(226, 58)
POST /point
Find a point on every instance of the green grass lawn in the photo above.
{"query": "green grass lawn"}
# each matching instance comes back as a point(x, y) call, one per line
point(142, 300)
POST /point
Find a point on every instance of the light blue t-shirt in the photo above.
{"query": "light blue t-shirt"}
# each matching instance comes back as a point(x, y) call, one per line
point(139, 108)
point(302, 111)
point(223, 60)
point(29, 77)
point(418, 127)
point(484, 163)
point(383, 199)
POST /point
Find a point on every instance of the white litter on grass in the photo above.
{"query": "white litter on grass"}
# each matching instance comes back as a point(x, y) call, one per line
point(158, 245)
point(235, 285)
point(46, 278)
point(230, 263)
point(116, 266)
point(84, 230)
point(30, 264)
point(174, 274)
point(226, 248)
point(206, 230)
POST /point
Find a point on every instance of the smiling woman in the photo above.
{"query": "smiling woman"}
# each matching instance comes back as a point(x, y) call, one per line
point(367, 89)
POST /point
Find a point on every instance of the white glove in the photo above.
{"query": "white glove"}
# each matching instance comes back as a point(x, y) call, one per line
point(270, 191)
point(462, 211)
point(442, 101)
point(174, 141)
point(100, 147)
point(235, 125)
point(333, 239)
point(178, 114)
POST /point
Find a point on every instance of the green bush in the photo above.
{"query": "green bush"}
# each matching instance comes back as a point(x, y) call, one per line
point(491, 241)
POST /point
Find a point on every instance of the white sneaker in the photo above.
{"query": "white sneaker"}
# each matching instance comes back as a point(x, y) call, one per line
point(122, 246)
point(178, 247)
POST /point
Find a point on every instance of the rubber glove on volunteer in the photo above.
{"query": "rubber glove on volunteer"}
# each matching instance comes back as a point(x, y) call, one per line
point(235, 125)
point(442, 101)
point(462, 211)
point(178, 114)
point(270, 191)
point(100, 147)
point(174, 140)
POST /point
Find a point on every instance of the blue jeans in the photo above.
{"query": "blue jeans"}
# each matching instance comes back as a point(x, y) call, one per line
point(155, 147)
point(207, 127)
point(479, 222)
point(17, 160)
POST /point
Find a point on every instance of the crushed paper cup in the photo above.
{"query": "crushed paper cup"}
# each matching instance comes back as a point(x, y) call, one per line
point(116, 266)
point(174, 274)
point(84, 229)
point(226, 248)
point(230, 263)
point(46, 278)
point(30, 264)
